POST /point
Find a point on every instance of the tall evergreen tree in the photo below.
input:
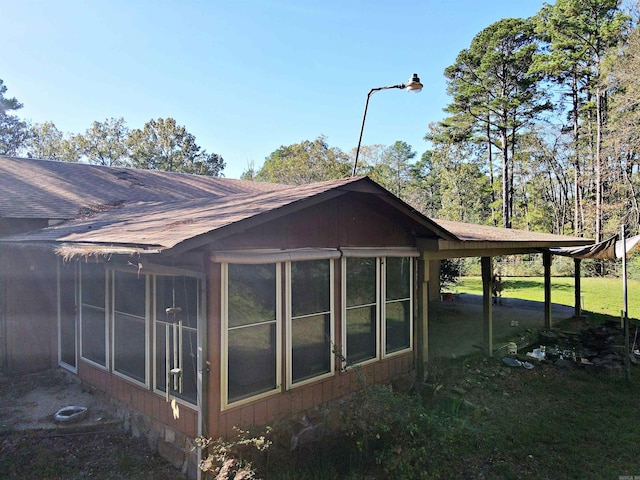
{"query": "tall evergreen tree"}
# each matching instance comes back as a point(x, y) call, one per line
point(495, 94)
point(578, 33)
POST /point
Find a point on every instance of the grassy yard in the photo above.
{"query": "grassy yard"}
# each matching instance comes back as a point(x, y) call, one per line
point(601, 296)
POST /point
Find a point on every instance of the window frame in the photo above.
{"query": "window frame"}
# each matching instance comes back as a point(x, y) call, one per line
point(147, 321)
point(290, 384)
point(344, 308)
point(384, 302)
point(381, 305)
point(107, 313)
point(225, 404)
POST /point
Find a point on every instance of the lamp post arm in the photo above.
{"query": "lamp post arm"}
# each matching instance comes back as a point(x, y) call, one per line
point(364, 117)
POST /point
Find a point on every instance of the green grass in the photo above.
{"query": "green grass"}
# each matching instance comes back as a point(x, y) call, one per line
point(602, 296)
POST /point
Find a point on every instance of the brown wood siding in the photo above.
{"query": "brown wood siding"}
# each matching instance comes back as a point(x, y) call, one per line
point(292, 403)
point(143, 400)
point(285, 403)
point(29, 309)
point(342, 222)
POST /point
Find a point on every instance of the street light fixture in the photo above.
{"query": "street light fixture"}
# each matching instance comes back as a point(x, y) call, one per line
point(413, 85)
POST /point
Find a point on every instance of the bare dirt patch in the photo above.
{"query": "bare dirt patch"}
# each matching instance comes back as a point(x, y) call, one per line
point(33, 445)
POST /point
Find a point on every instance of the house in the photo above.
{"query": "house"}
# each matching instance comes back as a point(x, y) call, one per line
point(204, 303)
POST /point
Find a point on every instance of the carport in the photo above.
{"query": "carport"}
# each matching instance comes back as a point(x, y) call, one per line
point(469, 240)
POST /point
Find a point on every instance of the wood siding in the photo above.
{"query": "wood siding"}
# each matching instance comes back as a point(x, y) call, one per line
point(28, 309)
point(178, 416)
point(346, 221)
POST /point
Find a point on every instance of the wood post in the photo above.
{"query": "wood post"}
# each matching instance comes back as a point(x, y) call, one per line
point(577, 288)
point(546, 261)
point(487, 314)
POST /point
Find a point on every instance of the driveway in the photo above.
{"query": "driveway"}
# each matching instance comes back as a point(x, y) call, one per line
point(455, 327)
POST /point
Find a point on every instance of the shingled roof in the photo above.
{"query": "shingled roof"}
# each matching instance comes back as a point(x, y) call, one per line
point(62, 190)
point(113, 210)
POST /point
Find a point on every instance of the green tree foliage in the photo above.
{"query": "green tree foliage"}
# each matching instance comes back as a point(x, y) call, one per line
point(393, 170)
point(305, 162)
point(495, 94)
point(164, 145)
point(46, 141)
point(578, 34)
point(13, 131)
point(106, 143)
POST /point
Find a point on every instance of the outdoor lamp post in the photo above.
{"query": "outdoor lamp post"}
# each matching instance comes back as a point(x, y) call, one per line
point(413, 85)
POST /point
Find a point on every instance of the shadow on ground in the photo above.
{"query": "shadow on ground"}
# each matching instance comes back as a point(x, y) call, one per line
point(455, 327)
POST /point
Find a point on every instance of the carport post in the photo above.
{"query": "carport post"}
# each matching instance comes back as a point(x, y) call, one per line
point(422, 327)
point(546, 262)
point(487, 314)
point(577, 288)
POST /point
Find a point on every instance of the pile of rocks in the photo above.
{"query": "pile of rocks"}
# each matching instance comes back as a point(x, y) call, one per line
point(600, 347)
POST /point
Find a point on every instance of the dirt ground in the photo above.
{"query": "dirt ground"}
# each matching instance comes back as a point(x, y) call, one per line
point(455, 327)
point(33, 445)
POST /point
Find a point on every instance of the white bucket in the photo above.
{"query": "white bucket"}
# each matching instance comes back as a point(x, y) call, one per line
point(512, 348)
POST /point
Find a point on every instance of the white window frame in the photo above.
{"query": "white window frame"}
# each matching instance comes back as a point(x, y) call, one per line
point(344, 308)
point(383, 315)
point(224, 339)
point(381, 303)
point(111, 301)
point(289, 324)
point(107, 316)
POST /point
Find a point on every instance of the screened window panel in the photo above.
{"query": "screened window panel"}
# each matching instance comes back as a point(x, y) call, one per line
point(398, 277)
point(398, 326)
point(311, 347)
point(130, 293)
point(93, 313)
point(361, 281)
point(251, 294)
point(129, 331)
point(398, 304)
point(179, 292)
point(310, 287)
point(129, 346)
point(251, 336)
point(252, 361)
point(361, 334)
point(189, 363)
point(94, 335)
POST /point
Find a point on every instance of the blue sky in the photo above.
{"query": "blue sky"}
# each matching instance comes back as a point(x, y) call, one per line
point(243, 76)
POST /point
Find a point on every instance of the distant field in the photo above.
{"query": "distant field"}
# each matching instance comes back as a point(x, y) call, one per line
point(600, 295)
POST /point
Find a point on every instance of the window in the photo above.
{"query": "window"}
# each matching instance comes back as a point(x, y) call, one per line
point(310, 319)
point(93, 313)
point(176, 336)
point(252, 330)
point(398, 304)
point(378, 300)
point(130, 325)
point(361, 284)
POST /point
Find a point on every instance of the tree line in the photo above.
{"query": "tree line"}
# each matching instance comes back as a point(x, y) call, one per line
point(540, 133)
point(161, 144)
